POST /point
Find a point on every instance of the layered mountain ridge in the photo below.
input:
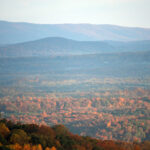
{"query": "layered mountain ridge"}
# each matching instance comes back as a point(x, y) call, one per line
point(15, 32)
point(56, 46)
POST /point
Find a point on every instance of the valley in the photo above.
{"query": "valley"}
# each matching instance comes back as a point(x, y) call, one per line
point(106, 96)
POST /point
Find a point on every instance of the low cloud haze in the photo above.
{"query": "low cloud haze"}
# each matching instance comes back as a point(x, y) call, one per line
point(119, 12)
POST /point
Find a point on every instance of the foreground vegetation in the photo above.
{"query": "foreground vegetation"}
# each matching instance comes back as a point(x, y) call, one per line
point(17, 136)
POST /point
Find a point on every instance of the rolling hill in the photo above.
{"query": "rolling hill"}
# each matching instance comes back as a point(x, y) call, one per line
point(92, 78)
point(54, 46)
point(15, 32)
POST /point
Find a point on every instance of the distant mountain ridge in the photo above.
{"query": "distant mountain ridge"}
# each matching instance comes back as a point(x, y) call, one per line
point(56, 46)
point(14, 32)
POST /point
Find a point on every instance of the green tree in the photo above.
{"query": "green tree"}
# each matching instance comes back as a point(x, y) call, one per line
point(2, 139)
point(4, 131)
point(61, 130)
point(19, 136)
point(4, 148)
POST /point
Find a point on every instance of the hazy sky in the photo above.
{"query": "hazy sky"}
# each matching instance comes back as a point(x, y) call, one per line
point(119, 12)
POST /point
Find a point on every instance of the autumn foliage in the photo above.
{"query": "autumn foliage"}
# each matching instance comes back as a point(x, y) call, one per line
point(119, 115)
point(16, 136)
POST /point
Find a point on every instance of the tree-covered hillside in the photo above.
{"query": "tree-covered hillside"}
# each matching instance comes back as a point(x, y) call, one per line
point(57, 46)
point(17, 136)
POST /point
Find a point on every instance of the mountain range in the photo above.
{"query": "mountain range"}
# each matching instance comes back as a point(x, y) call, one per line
point(92, 78)
point(16, 32)
point(54, 46)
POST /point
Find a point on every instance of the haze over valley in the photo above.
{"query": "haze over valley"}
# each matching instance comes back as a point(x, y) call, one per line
point(94, 79)
point(74, 75)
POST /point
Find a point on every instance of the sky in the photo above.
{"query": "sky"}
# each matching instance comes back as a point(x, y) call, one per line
point(132, 13)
